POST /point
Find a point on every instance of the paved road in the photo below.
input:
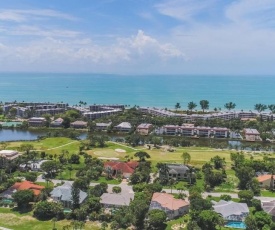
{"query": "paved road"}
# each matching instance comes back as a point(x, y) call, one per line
point(125, 188)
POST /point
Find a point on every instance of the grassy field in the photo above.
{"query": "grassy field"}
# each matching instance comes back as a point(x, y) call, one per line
point(16, 221)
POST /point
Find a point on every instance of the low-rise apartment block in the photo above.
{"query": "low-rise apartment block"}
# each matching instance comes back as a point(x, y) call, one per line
point(123, 127)
point(37, 121)
point(144, 129)
point(252, 135)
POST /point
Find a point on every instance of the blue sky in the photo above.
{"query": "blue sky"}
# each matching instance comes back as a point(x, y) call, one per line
point(138, 36)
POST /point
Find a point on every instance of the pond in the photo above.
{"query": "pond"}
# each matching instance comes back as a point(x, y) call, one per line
point(19, 135)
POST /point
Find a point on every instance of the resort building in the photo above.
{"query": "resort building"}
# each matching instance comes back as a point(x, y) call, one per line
point(57, 123)
point(113, 200)
point(158, 112)
point(25, 185)
point(79, 125)
point(99, 114)
point(118, 168)
point(37, 121)
point(123, 127)
point(102, 126)
point(106, 107)
point(144, 129)
point(190, 130)
point(175, 171)
point(251, 135)
point(171, 206)
point(7, 155)
point(230, 210)
point(51, 111)
point(63, 194)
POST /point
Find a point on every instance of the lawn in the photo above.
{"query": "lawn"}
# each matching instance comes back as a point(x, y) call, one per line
point(16, 221)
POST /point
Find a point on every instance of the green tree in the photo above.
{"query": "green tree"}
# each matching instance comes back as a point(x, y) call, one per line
point(209, 220)
point(177, 106)
point(45, 210)
point(23, 198)
point(191, 105)
point(230, 105)
point(116, 189)
point(245, 196)
point(219, 162)
point(245, 175)
point(260, 107)
point(186, 158)
point(75, 196)
point(271, 108)
point(26, 148)
point(156, 219)
point(251, 223)
point(50, 167)
point(262, 218)
point(142, 155)
point(204, 105)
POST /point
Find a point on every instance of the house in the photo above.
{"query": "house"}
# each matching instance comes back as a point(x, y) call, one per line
point(269, 207)
point(171, 206)
point(123, 127)
point(252, 135)
point(32, 165)
point(63, 194)
point(144, 129)
point(7, 155)
point(113, 200)
point(175, 171)
point(57, 123)
point(79, 124)
point(264, 180)
point(117, 168)
point(25, 185)
point(102, 126)
point(37, 121)
point(230, 210)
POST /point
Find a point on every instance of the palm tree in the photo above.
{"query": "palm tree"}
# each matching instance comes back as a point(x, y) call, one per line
point(271, 108)
point(177, 106)
point(230, 105)
point(204, 105)
point(260, 107)
point(171, 183)
point(191, 105)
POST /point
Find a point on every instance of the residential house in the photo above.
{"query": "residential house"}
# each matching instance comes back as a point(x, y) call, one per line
point(102, 126)
point(57, 123)
point(123, 127)
point(37, 121)
point(32, 165)
point(113, 200)
point(63, 194)
point(175, 171)
point(265, 180)
point(269, 207)
point(171, 206)
point(118, 168)
point(79, 124)
point(230, 210)
point(18, 186)
point(252, 135)
point(144, 129)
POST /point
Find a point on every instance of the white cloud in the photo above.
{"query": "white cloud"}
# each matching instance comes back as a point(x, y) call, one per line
point(69, 53)
point(255, 12)
point(28, 15)
point(183, 9)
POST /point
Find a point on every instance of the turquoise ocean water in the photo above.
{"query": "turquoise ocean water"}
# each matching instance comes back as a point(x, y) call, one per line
point(151, 90)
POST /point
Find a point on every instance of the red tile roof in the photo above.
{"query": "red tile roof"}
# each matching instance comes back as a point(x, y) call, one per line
point(265, 177)
point(28, 185)
point(124, 167)
point(168, 201)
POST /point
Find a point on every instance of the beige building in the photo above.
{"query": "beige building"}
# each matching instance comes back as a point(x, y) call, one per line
point(252, 135)
point(265, 180)
point(144, 129)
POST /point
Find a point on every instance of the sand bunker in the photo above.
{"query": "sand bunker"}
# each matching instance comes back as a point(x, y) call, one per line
point(120, 150)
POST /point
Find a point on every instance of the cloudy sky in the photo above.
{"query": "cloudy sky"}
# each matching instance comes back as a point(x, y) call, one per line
point(138, 36)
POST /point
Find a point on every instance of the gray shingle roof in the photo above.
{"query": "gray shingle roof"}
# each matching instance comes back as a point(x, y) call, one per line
point(116, 199)
point(64, 192)
point(228, 208)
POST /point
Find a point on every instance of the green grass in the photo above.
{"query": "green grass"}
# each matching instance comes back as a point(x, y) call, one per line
point(16, 221)
point(176, 222)
point(267, 193)
point(103, 179)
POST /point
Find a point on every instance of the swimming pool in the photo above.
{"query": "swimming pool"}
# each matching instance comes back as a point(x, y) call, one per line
point(235, 224)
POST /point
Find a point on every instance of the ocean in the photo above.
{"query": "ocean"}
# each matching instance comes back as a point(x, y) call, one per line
point(162, 91)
